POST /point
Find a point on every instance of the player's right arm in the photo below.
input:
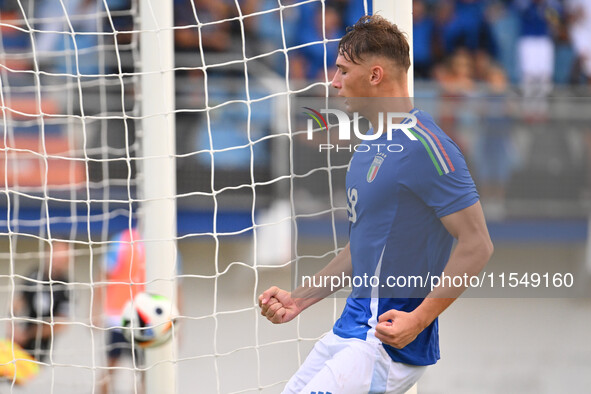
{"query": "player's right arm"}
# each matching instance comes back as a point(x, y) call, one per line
point(280, 306)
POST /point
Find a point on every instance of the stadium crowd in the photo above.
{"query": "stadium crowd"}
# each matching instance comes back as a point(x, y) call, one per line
point(510, 34)
point(463, 49)
point(505, 33)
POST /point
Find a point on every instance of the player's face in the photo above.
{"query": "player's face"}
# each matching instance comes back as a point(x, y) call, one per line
point(351, 79)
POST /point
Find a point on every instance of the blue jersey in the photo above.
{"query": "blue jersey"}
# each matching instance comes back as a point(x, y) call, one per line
point(397, 192)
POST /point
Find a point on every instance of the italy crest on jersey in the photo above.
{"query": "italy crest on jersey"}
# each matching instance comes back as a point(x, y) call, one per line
point(374, 168)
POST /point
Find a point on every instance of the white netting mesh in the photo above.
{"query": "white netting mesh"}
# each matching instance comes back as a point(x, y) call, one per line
point(71, 167)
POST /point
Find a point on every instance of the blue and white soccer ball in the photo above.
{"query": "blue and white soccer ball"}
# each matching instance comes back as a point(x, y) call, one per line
point(148, 320)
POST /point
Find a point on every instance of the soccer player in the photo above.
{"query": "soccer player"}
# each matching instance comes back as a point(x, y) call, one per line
point(405, 208)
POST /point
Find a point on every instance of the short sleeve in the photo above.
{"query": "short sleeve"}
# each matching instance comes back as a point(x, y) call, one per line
point(436, 171)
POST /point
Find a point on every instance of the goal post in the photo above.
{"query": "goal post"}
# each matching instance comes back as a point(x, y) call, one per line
point(158, 174)
point(400, 13)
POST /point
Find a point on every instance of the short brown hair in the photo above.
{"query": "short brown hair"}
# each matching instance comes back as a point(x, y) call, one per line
point(375, 35)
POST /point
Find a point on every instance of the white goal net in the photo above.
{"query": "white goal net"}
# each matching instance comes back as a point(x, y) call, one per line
point(75, 158)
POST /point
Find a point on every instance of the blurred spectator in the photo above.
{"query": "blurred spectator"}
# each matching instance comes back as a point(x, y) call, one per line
point(468, 28)
point(505, 27)
point(13, 39)
point(564, 53)
point(579, 18)
point(309, 61)
point(456, 77)
point(212, 37)
point(535, 50)
point(495, 153)
point(482, 65)
point(444, 11)
point(272, 28)
point(230, 129)
point(68, 53)
point(122, 21)
point(423, 39)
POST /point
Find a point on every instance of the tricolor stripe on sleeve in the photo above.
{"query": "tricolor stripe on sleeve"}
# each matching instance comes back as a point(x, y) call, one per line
point(434, 148)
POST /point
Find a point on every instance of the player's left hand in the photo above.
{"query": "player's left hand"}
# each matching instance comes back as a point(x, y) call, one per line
point(397, 328)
